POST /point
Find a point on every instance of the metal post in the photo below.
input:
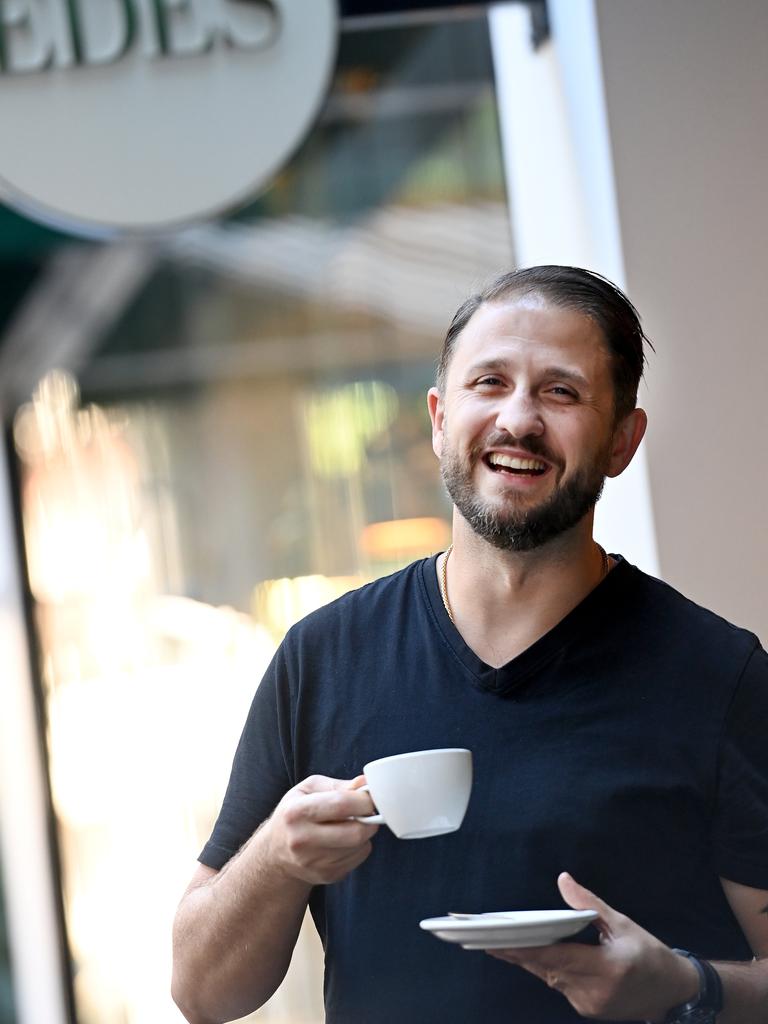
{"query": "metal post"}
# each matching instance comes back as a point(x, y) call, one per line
point(30, 895)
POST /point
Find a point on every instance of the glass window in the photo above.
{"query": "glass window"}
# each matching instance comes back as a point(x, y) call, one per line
point(216, 433)
point(7, 1009)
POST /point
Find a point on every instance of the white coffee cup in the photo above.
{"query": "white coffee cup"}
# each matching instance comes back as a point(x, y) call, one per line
point(423, 793)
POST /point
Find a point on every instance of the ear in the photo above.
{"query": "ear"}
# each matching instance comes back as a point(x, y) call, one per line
point(436, 415)
point(626, 439)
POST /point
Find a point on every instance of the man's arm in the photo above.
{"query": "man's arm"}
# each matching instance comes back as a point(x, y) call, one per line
point(746, 985)
point(235, 929)
point(633, 976)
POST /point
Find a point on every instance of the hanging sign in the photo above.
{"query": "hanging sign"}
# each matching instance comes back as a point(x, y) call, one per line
point(140, 115)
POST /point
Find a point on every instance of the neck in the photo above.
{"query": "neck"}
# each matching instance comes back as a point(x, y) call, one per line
point(491, 591)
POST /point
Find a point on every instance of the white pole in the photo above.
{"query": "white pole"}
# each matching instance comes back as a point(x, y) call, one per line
point(28, 883)
point(563, 209)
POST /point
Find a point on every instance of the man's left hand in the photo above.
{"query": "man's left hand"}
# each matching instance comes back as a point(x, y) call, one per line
point(629, 976)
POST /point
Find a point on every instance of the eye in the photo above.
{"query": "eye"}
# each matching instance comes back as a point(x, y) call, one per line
point(490, 380)
point(560, 391)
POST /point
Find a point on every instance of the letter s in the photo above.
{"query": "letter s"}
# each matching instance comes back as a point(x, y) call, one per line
point(251, 25)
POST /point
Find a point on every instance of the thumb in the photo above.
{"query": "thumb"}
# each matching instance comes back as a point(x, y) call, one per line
point(579, 898)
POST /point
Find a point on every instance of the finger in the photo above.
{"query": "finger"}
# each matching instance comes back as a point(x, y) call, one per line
point(355, 857)
point(509, 955)
point(357, 783)
point(549, 970)
point(341, 866)
point(341, 835)
point(325, 784)
point(580, 898)
point(560, 956)
point(336, 805)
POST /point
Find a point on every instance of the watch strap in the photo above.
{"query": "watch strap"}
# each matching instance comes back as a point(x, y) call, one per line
point(710, 986)
point(703, 1009)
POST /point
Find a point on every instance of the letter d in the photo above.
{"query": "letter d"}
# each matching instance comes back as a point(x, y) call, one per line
point(102, 30)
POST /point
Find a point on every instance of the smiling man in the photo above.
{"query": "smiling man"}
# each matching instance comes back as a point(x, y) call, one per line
point(561, 374)
point(618, 730)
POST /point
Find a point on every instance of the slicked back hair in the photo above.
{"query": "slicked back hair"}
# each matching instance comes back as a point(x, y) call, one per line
point(572, 288)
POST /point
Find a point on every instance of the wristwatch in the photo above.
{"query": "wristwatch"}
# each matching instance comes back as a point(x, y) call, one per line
point(707, 1004)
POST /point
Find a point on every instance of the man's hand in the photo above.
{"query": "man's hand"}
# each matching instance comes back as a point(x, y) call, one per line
point(629, 976)
point(236, 928)
point(312, 835)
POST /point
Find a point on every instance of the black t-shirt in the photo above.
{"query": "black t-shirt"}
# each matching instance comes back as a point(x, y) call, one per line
point(626, 746)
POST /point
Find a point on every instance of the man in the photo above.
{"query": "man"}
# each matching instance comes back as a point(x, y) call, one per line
point(618, 730)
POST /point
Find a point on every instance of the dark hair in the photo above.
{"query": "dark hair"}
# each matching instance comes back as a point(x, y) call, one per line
point(569, 288)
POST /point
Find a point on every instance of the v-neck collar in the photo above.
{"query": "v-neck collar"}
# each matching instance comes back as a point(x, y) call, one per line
point(509, 677)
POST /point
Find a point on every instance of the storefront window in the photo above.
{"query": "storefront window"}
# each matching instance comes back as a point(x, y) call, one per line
point(7, 1011)
point(216, 433)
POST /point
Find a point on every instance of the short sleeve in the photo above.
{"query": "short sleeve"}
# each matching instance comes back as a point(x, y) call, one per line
point(262, 767)
point(740, 828)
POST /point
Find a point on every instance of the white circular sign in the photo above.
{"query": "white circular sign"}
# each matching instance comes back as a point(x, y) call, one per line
point(140, 115)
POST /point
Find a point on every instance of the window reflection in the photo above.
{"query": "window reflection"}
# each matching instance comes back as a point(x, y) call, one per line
point(7, 1008)
point(235, 433)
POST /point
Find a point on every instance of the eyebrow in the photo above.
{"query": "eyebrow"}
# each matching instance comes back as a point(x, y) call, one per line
point(559, 372)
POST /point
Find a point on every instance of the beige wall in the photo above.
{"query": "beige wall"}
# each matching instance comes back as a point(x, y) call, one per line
point(686, 87)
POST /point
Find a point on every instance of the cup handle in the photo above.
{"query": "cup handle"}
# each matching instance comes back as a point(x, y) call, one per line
point(371, 819)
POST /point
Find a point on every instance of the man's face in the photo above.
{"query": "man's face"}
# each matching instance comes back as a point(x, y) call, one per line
point(525, 430)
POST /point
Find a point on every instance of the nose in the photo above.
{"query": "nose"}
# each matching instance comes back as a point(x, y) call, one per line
point(519, 415)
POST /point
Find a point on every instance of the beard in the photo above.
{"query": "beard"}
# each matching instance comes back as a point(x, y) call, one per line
point(512, 528)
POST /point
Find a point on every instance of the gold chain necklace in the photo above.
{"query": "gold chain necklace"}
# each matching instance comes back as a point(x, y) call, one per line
point(443, 578)
point(444, 582)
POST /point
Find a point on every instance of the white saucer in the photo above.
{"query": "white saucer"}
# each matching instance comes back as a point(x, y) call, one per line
point(509, 929)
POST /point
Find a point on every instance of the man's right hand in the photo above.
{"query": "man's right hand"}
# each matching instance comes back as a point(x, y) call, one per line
point(313, 837)
point(236, 928)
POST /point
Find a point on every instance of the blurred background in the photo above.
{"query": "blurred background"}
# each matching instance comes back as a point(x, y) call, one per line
point(210, 434)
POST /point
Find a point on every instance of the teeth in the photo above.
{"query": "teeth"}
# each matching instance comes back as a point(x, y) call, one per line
point(497, 459)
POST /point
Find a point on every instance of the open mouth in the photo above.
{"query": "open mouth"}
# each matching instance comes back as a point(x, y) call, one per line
point(500, 463)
